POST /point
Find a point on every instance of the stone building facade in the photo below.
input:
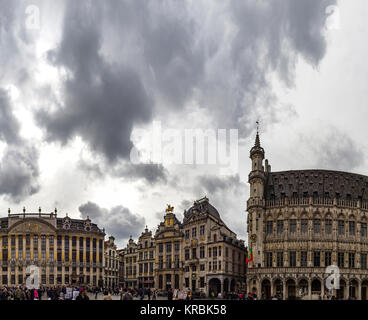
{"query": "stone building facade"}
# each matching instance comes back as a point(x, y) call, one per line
point(201, 253)
point(169, 253)
point(300, 222)
point(65, 250)
point(111, 264)
point(214, 259)
point(146, 259)
point(130, 260)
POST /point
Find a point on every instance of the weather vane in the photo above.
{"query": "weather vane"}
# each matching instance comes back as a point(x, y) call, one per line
point(257, 122)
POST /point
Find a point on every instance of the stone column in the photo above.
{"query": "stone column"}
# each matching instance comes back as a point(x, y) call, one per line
point(97, 260)
point(259, 288)
point(62, 259)
point(70, 259)
point(31, 246)
point(272, 289)
point(84, 258)
point(16, 259)
point(359, 288)
point(8, 259)
point(47, 260)
point(90, 261)
point(322, 288)
point(284, 293)
point(309, 289)
point(24, 259)
point(346, 289)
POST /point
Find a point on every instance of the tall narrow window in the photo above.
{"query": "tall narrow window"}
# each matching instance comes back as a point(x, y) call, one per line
point(340, 259)
point(363, 229)
point(316, 226)
point(280, 226)
point(341, 227)
point(292, 228)
point(328, 226)
point(303, 259)
point(280, 259)
point(269, 227)
point(292, 259)
point(269, 259)
point(317, 258)
point(304, 226)
point(363, 261)
point(327, 258)
point(351, 228)
point(351, 260)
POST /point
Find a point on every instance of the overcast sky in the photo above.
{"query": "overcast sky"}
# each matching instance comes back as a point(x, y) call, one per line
point(80, 81)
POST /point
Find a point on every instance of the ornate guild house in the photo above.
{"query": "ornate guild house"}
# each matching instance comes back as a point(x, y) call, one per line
point(200, 254)
point(301, 221)
point(66, 251)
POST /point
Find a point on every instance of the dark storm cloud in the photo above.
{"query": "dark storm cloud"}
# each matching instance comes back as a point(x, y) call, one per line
point(151, 173)
point(19, 165)
point(118, 221)
point(128, 61)
point(102, 100)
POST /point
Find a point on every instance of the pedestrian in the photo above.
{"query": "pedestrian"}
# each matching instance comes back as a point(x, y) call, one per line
point(108, 296)
point(169, 294)
point(127, 295)
point(82, 296)
point(35, 294)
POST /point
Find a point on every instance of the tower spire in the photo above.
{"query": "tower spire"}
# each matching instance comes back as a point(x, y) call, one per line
point(258, 142)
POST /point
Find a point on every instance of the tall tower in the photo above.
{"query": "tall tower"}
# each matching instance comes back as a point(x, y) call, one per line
point(256, 204)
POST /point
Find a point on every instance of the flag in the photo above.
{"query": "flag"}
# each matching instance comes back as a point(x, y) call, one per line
point(250, 256)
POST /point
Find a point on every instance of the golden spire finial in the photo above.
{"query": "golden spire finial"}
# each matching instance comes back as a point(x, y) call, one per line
point(169, 208)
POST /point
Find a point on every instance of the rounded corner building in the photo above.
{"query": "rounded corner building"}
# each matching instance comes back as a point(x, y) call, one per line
point(300, 222)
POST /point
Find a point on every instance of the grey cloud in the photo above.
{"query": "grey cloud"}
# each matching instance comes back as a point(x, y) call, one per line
point(102, 100)
point(118, 221)
point(151, 173)
point(19, 166)
point(114, 50)
point(333, 149)
point(9, 126)
point(211, 184)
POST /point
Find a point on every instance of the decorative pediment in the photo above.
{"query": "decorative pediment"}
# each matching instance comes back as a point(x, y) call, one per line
point(67, 223)
point(32, 226)
point(87, 225)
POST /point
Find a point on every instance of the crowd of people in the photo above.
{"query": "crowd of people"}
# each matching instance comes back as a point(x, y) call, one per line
point(81, 293)
point(44, 293)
